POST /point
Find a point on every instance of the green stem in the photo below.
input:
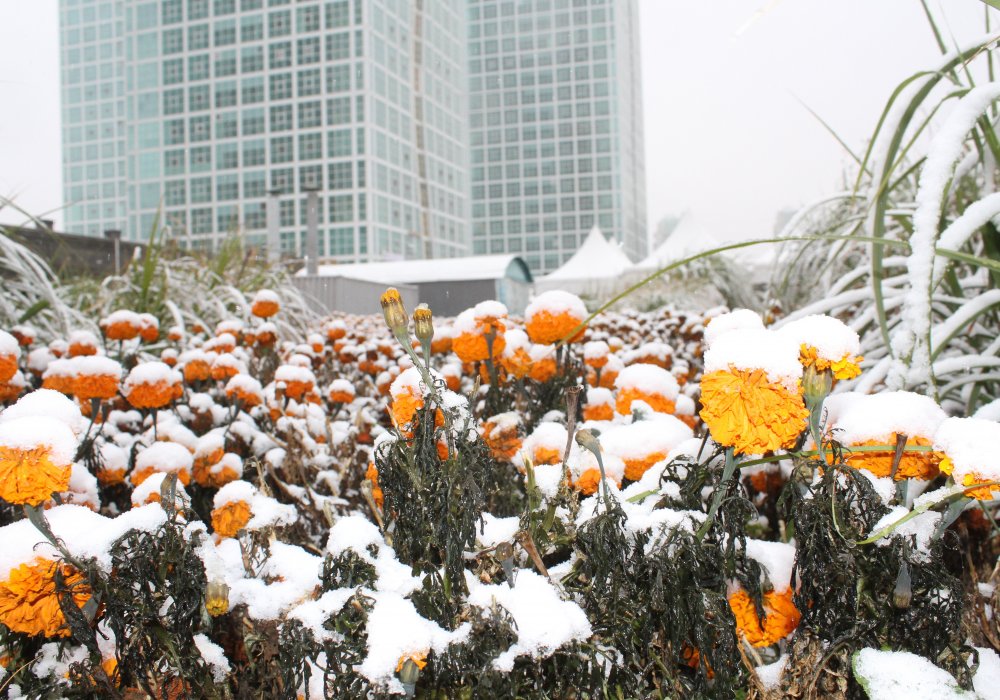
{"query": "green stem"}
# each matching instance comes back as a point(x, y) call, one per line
point(727, 474)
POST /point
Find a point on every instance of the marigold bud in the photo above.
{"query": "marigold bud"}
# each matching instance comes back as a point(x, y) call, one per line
point(816, 385)
point(422, 325)
point(393, 310)
point(217, 598)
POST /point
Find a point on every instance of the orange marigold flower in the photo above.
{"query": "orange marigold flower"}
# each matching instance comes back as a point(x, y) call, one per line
point(11, 389)
point(372, 475)
point(972, 460)
point(246, 390)
point(265, 304)
point(649, 383)
point(501, 435)
point(29, 602)
point(149, 329)
point(335, 330)
point(228, 467)
point(297, 380)
point(340, 391)
point(912, 465)
point(745, 410)
point(553, 315)
point(82, 343)
point(121, 325)
point(8, 366)
point(152, 385)
point(94, 377)
point(473, 326)
point(780, 617)
point(230, 518)
point(826, 344)
point(595, 354)
point(196, 367)
point(419, 658)
point(36, 457)
point(588, 482)
point(25, 335)
point(543, 365)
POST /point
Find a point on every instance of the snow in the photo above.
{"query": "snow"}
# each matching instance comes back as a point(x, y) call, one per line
point(911, 337)
point(495, 530)
point(770, 674)
point(986, 680)
point(266, 295)
point(659, 434)
point(9, 345)
point(357, 534)
point(90, 365)
point(750, 349)
point(214, 656)
point(395, 629)
point(547, 478)
point(832, 338)
point(313, 614)
point(650, 379)
point(861, 417)
point(542, 619)
point(900, 675)
point(48, 403)
point(142, 492)
point(596, 258)
point(555, 302)
point(151, 373)
point(85, 534)
point(971, 444)
point(475, 267)
point(921, 527)
point(776, 558)
point(165, 457)
point(32, 432)
point(739, 319)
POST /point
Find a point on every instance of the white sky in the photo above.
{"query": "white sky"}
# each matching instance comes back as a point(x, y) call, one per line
point(726, 136)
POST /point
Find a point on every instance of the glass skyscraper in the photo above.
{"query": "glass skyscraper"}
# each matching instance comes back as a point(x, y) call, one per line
point(200, 110)
point(556, 127)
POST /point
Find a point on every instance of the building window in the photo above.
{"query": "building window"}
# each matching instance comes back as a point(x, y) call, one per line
point(227, 188)
point(173, 162)
point(311, 177)
point(225, 64)
point(253, 91)
point(310, 114)
point(198, 67)
point(281, 86)
point(200, 129)
point(226, 125)
point(173, 41)
point(281, 118)
point(201, 221)
point(173, 71)
point(279, 23)
point(224, 7)
point(172, 11)
point(338, 110)
point(310, 82)
point(198, 37)
point(254, 185)
point(227, 156)
point(254, 153)
point(201, 190)
point(282, 179)
point(341, 208)
point(339, 143)
point(307, 19)
point(253, 122)
point(338, 46)
point(251, 28)
point(225, 33)
point(197, 9)
point(310, 146)
point(340, 176)
point(252, 59)
point(308, 50)
point(338, 78)
point(337, 14)
point(280, 55)
point(173, 132)
point(173, 101)
point(225, 94)
point(201, 159)
point(282, 149)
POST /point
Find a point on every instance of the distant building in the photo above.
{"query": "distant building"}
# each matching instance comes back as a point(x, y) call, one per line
point(556, 127)
point(203, 107)
point(664, 228)
point(447, 286)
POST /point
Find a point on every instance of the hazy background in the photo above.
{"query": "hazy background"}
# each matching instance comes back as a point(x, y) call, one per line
point(727, 138)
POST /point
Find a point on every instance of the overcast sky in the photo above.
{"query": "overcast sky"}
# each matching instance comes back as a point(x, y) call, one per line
point(727, 137)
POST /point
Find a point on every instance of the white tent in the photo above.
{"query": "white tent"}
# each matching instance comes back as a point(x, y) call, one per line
point(687, 239)
point(594, 267)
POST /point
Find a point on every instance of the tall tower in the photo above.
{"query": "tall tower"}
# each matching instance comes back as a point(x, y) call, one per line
point(556, 127)
point(217, 105)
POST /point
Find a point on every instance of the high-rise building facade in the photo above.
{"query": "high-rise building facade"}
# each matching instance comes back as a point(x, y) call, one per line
point(556, 127)
point(200, 111)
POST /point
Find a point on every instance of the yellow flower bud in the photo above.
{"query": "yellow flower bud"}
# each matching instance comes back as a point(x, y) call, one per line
point(393, 311)
point(217, 598)
point(422, 325)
